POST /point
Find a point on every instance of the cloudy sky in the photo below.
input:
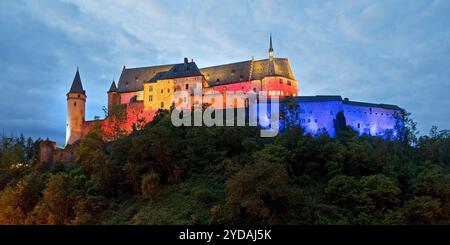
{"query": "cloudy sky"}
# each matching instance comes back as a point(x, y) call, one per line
point(395, 52)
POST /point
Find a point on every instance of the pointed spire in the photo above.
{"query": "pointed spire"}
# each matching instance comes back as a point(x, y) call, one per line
point(270, 46)
point(77, 87)
point(113, 87)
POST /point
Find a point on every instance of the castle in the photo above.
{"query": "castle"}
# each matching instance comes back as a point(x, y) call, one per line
point(142, 91)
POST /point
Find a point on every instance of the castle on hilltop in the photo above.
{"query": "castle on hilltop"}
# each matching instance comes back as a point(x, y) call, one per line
point(142, 91)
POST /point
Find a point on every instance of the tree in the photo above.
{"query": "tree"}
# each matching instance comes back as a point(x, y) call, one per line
point(59, 199)
point(150, 186)
point(258, 194)
point(423, 210)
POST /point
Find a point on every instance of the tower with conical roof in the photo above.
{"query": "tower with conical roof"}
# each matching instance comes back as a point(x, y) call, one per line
point(113, 96)
point(76, 108)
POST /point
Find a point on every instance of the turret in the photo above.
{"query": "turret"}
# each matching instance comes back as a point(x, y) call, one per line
point(270, 48)
point(76, 107)
point(113, 96)
point(271, 65)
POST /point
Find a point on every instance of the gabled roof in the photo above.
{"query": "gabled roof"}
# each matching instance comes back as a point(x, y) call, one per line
point(113, 87)
point(186, 69)
point(77, 87)
point(240, 71)
point(132, 79)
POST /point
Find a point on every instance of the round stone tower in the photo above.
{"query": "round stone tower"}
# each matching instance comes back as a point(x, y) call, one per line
point(76, 106)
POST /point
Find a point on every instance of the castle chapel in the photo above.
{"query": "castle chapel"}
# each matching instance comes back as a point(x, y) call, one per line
point(142, 91)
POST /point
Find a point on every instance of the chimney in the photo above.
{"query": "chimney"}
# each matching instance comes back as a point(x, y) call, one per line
point(186, 60)
point(192, 60)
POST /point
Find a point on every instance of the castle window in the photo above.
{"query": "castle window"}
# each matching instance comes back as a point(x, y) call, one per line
point(254, 90)
point(289, 82)
point(303, 120)
point(150, 98)
point(79, 96)
point(281, 81)
point(309, 120)
point(186, 86)
point(150, 88)
point(302, 111)
point(315, 120)
point(162, 104)
point(334, 121)
point(168, 90)
point(75, 104)
point(241, 78)
point(359, 125)
point(162, 91)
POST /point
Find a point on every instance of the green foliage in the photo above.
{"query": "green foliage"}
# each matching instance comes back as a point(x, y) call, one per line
point(150, 186)
point(230, 175)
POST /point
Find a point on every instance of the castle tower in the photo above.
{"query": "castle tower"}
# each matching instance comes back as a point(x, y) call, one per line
point(76, 106)
point(113, 96)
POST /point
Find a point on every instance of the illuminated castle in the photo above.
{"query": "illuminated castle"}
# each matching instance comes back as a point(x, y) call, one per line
point(142, 91)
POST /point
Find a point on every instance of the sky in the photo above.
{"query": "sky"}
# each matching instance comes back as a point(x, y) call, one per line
point(385, 51)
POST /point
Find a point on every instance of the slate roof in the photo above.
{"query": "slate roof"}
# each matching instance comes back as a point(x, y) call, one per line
point(240, 71)
point(113, 87)
point(131, 79)
point(186, 69)
point(77, 87)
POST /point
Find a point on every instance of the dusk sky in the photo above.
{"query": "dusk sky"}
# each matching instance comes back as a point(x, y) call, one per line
point(393, 52)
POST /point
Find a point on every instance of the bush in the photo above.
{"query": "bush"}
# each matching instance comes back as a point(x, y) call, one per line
point(150, 186)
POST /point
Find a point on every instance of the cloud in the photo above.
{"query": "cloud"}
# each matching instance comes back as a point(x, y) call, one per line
point(391, 52)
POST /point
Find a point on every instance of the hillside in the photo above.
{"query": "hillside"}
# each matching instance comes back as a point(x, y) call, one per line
point(162, 174)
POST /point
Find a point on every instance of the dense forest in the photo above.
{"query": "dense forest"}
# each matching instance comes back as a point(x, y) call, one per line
point(161, 174)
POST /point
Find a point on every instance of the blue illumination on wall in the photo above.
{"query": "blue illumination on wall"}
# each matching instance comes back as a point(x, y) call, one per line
point(317, 115)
